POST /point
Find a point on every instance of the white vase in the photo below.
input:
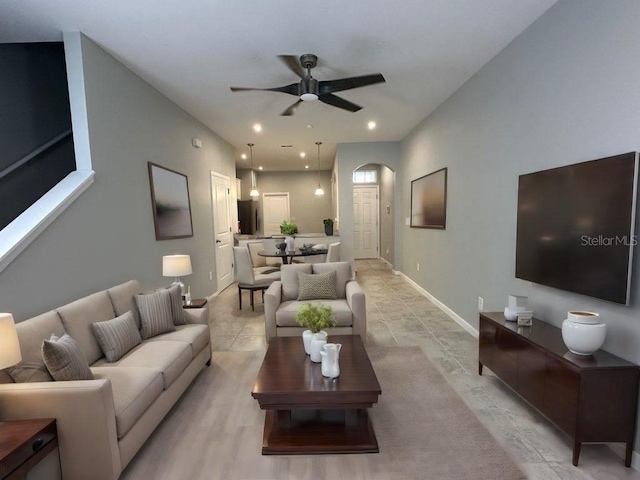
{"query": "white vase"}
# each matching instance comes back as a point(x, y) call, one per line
point(331, 360)
point(289, 241)
point(307, 336)
point(583, 338)
point(318, 340)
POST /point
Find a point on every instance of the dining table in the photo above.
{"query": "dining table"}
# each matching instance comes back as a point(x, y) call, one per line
point(288, 255)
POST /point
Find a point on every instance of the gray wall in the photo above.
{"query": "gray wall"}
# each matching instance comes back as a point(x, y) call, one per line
point(106, 236)
point(563, 92)
point(350, 157)
point(306, 210)
point(387, 218)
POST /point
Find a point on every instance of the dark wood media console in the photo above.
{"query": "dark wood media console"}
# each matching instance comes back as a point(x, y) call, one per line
point(592, 399)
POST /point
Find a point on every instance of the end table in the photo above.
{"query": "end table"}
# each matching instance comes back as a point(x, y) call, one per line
point(196, 303)
point(24, 444)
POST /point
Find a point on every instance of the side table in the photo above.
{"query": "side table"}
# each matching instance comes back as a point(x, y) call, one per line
point(196, 303)
point(24, 444)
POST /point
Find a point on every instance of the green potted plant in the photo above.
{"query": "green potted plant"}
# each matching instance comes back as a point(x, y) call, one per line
point(288, 228)
point(315, 317)
point(328, 226)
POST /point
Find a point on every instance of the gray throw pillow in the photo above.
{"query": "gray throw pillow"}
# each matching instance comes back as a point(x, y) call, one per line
point(118, 336)
point(64, 359)
point(155, 313)
point(175, 294)
point(318, 286)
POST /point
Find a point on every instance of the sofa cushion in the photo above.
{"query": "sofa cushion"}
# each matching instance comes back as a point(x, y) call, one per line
point(317, 286)
point(155, 313)
point(195, 335)
point(343, 274)
point(31, 334)
point(286, 313)
point(122, 298)
point(64, 359)
point(289, 279)
point(117, 336)
point(78, 316)
point(168, 358)
point(177, 312)
point(134, 390)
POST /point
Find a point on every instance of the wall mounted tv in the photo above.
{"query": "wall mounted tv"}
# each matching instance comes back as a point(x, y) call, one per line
point(576, 227)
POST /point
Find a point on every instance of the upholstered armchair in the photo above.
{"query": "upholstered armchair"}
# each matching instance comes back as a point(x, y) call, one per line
point(282, 300)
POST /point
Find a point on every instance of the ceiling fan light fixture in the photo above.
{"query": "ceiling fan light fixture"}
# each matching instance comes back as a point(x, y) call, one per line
point(308, 97)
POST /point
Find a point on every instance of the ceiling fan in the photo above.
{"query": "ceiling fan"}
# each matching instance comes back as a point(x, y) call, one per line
point(309, 89)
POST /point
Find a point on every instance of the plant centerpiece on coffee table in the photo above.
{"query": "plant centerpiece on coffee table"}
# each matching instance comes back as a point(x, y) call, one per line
point(315, 317)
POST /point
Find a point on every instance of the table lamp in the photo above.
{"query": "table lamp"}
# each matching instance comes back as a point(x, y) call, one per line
point(9, 344)
point(176, 266)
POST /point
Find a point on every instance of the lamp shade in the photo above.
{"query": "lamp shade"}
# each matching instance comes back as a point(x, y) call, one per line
point(176, 265)
point(9, 345)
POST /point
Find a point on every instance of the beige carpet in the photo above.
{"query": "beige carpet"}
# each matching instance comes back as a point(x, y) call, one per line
point(429, 429)
point(424, 430)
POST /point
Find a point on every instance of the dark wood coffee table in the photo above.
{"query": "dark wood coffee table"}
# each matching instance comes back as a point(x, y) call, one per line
point(308, 413)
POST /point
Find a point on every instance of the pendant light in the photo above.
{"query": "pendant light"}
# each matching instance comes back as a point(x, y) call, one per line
point(319, 191)
point(254, 190)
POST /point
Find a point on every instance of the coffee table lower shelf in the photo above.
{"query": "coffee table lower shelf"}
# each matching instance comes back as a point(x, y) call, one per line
point(304, 432)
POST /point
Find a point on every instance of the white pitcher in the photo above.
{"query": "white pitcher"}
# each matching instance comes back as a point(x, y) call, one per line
point(318, 340)
point(331, 359)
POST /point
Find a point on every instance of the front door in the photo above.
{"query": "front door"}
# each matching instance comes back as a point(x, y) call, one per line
point(275, 209)
point(365, 222)
point(220, 195)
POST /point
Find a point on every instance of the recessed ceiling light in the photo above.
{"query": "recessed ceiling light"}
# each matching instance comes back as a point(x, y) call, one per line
point(243, 156)
point(306, 166)
point(309, 126)
point(260, 167)
point(302, 154)
point(371, 125)
point(257, 128)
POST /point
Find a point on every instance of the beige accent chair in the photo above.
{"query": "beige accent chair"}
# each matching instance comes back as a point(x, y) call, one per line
point(247, 278)
point(258, 262)
point(281, 301)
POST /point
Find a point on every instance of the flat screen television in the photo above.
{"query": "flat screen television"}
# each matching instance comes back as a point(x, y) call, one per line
point(576, 227)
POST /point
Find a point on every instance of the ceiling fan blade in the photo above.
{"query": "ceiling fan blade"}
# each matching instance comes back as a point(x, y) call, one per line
point(291, 110)
point(294, 64)
point(290, 89)
point(334, 100)
point(341, 84)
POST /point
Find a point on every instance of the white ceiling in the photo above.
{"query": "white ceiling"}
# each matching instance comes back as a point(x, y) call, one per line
point(194, 50)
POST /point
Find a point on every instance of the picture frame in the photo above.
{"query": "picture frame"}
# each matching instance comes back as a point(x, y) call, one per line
point(429, 200)
point(170, 202)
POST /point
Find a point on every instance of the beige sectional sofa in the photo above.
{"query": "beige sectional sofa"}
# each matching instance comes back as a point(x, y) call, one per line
point(102, 423)
point(281, 302)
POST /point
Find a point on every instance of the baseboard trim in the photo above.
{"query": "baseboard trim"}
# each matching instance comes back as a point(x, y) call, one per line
point(456, 318)
point(386, 261)
point(619, 449)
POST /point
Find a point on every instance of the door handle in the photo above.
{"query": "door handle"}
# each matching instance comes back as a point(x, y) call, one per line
point(218, 241)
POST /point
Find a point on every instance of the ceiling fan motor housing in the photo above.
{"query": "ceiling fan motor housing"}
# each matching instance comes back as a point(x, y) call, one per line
point(308, 89)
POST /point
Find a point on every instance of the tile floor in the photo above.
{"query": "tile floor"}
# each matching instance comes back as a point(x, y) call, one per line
point(398, 315)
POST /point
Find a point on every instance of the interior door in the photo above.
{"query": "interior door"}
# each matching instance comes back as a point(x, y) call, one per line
point(365, 222)
point(275, 209)
point(220, 197)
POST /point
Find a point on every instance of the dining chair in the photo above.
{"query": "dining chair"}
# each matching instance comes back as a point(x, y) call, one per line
point(259, 263)
point(247, 278)
point(333, 252)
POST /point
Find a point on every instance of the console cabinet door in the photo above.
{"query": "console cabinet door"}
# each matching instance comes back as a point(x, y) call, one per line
point(487, 342)
point(505, 357)
point(531, 373)
point(561, 394)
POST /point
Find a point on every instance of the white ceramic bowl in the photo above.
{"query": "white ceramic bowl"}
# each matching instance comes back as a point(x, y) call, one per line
point(510, 315)
point(580, 316)
point(583, 338)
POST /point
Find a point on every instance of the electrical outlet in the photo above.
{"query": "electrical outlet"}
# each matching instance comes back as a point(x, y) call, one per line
point(417, 266)
point(210, 276)
point(480, 303)
point(387, 251)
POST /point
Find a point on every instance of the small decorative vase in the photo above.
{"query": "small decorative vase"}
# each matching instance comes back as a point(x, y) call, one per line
point(331, 360)
point(307, 336)
point(318, 340)
point(583, 338)
point(328, 230)
point(289, 241)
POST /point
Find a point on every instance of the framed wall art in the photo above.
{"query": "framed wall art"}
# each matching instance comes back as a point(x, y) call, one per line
point(171, 205)
point(429, 200)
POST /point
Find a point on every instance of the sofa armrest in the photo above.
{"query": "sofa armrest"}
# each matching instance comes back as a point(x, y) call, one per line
point(197, 315)
point(272, 300)
point(86, 422)
point(357, 303)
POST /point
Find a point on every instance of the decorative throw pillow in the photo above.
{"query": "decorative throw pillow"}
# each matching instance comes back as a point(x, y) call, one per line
point(155, 313)
point(64, 359)
point(118, 336)
point(177, 312)
point(317, 286)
